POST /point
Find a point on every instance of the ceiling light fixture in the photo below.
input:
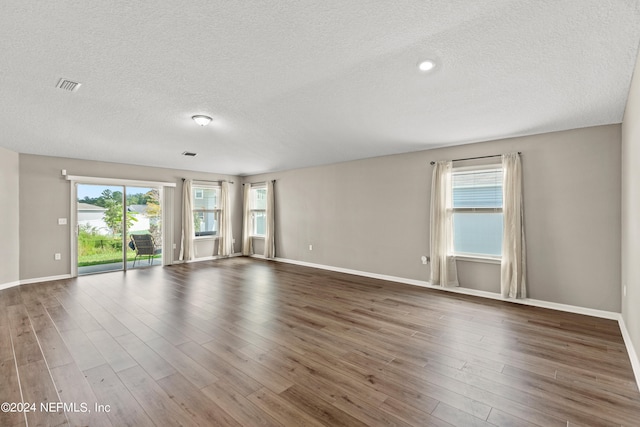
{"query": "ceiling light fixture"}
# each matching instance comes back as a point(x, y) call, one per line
point(426, 65)
point(202, 120)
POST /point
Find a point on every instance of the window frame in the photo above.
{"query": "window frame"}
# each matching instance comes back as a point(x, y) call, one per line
point(253, 211)
point(466, 256)
point(196, 187)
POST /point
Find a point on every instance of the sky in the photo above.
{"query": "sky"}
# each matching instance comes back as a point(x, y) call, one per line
point(92, 191)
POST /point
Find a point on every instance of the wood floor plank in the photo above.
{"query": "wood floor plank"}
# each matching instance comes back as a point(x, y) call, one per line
point(181, 331)
point(307, 401)
point(411, 415)
point(136, 327)
point(110, 323)
point(164, 330)
point(221, 369)
point(281, 410)
point(123, 408)
point(6, 347)
point(241, 341)
point(189, 368)
point(62, 319)
point(418, 388)
point(156, 403)
point(116, 356)
point(309, 368)
point(11, 296)
point(236, 405)
point(74, 390)
point(54, 348)
point(151, 361)
point(38, 315)
point(10, 392)
point(39, 389)
point(82, 349)
point(25, 344)
point(457, 417)
point(246, 365)
point(502, 419)
point(559, 406)
point(366, 412)
point(204, 411)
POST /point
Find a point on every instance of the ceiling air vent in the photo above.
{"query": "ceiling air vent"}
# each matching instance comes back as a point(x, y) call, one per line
point(68, 85)
point(189, 154)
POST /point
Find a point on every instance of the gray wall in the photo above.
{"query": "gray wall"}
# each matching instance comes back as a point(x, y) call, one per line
point(45, 197)
point(631, 211)
point(372, 215)
point(9, 218)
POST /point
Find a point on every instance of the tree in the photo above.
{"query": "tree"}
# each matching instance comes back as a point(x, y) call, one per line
point(113, 215)
point(152, 200)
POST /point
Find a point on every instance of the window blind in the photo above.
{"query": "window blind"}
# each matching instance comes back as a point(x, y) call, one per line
point(477, 189)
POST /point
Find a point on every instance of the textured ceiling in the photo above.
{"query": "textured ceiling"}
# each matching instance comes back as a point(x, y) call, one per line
point(293, 84)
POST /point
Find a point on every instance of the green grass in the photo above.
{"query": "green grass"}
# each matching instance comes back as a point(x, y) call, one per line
point(107, 258)
point(95, 249)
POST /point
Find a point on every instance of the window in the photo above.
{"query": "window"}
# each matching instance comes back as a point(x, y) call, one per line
point(477, 211)
point(206, 210)
point(258, 208)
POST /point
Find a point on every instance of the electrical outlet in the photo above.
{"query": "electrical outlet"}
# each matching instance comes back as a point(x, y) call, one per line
point(310, 247)
point(624, 290)
point(57, 257)
point(62, 221)
point(175, 246)
point(423, 258)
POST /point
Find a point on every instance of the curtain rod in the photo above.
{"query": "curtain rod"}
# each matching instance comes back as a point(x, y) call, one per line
point(259, 182)
point(475, 158)
point(204, 180)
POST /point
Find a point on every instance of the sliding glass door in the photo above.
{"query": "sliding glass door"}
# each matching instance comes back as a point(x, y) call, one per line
point(144, 227)
point(118, 227)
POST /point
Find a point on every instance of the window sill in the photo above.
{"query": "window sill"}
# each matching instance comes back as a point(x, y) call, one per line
point(205, 238)
point(481, 259)
point(258, 237)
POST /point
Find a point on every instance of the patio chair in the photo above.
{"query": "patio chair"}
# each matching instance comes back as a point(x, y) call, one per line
point(144, 245)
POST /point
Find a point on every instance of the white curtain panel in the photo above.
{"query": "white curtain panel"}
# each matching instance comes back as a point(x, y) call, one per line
point(269, 240)
point(187, 250)
point(443, 265)
point(513, 265)
point(168, 194)
point(225, 240)
point(247, 241)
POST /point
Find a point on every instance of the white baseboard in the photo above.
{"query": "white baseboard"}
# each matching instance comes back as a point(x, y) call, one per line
point(465, 291)
point(207, 258)
point(633, 356)
point(45, 279)
point(9, 285)
point(34, 280)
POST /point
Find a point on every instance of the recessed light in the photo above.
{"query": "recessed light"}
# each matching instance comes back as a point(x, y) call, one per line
point(426, 65)
point(201, 120)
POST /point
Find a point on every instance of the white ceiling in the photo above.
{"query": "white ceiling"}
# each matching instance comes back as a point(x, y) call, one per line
point(294, 84)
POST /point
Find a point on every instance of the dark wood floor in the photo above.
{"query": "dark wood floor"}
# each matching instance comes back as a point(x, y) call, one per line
point(244, 342)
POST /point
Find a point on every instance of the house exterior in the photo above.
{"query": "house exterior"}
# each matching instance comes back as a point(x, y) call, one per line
point(92, 217)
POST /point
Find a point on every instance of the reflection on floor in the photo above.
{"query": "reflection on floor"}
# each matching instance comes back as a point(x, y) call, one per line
point(101, 268)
